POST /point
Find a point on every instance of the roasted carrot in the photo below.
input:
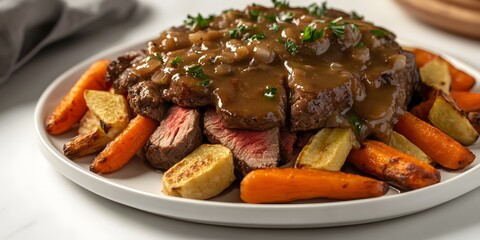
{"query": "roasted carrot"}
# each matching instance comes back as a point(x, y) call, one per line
point(423, 109)
point(73, 106)
point(279, 185)
point(443, 149)
point(119, 151)
point(397, 168)
point(467, 101)
point(461, 81)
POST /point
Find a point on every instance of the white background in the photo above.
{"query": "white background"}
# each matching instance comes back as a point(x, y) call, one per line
point(37, 202)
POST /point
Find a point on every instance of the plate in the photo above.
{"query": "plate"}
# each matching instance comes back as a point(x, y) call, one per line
point(138, 186)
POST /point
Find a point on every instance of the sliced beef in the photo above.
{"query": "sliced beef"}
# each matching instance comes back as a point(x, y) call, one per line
point(187, 91)
point(288, 152)
point(119, 74)
point(145, 98)
point(177, 136)
point(251, 149)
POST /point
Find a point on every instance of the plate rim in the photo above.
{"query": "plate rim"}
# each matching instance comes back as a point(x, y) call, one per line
point(340, 212)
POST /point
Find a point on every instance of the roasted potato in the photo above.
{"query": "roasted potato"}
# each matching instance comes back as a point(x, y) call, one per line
point(202, 174)
point(435, 74)
point(400, 143)
point(327, 150)
point(111, 109)
point(107, 117)
point(447, 117)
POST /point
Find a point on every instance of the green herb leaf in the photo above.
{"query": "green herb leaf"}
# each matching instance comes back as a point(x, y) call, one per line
point(355, 16)
point(198, 22)
point(254, 13)
point(257, 37)
point(281, 3)
point(316, 10)
point(355, 121)
point(234, 33)
point(176, 61)
point(285, 16)
point(274, 27)
point(378, 32)
point(360, 44)
point(310, 33)
point(155, 56)
point(197, 72)
point(336, 27)
point(271, 18)
point(291, 47)
point(270, 92)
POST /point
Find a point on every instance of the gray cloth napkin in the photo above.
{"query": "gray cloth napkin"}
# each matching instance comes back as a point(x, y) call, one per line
point(26, 26)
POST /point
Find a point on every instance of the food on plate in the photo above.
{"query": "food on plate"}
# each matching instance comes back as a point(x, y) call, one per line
point(327, 150)
point(435, 74)
point(118, 152)
point(72, 107)
point(400, 143)
point(467, 101)
point(441, 148)
point(445, 116)
point(278, 98)
point(202, 174)
point(396, 168)
point(280, 185)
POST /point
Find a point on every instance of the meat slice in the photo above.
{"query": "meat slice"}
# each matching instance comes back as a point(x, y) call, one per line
point(177, 136)
point(187, 91)
point(288, 152)
point(119, 74)
point(145, 98)
point(251, 149)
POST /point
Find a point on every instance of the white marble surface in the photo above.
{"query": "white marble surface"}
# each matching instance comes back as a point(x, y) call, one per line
point(36, 202)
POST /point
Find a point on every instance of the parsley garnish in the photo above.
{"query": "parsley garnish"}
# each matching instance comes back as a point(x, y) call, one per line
point(311, 33)
point(378, 32)
point(291, 47)
point(270, 17)
point(155, 56)
point(234, 33)
point(197, 72)
point(355, 16)
point(176, 61)
point(254, 13)
point(316, 10)
point(285, 16)
point(198, 22)
point(360, 44)
point(257, 37)
point(281, 3)
point(274, 27)
point(337, 29)
point(270, 92)
point(357, 125)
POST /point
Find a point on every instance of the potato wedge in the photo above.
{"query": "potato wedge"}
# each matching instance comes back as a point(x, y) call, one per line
point(327, 150)
point(86, 143)
point(400, 143)
point(435, 74)
point(202, 174)
point(88, 123)
point(111, 109)
point(445, 116)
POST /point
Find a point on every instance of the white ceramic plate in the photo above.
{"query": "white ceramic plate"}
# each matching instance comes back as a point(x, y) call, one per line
point(138, 186)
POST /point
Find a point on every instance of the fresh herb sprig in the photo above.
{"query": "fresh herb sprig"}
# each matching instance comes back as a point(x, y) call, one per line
point(285, 17)
point(235, 32)
point(378, 32)
point(270, 92)
point(274, 27)
point(176, 61)
point(290, 45)
point(281, 3)
point(355, 16)
point(318, 11)
point(257, 37)
point(355, 121)
point(198, 22)
point(197, 72)
point(337, 27)
point(311, 33)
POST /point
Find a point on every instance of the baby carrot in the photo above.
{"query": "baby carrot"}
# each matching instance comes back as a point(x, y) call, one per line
point(397, 168)
point(443, 149)
point(119, 151)
point(73, 106)
point(467, 101)
point(279, 185)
